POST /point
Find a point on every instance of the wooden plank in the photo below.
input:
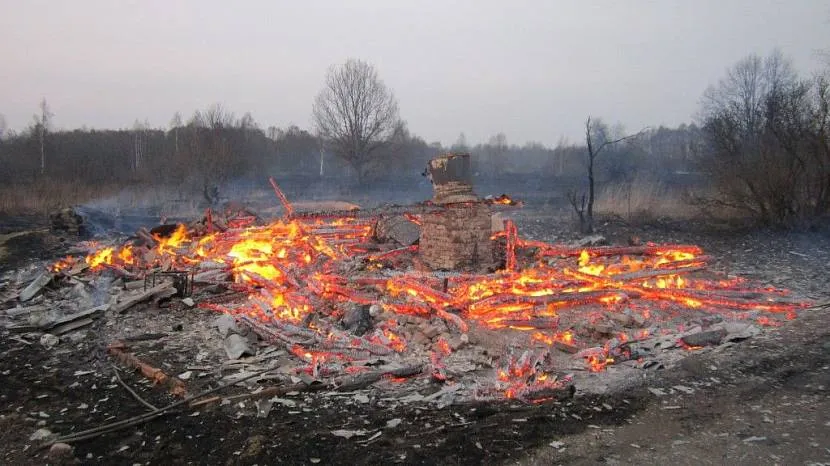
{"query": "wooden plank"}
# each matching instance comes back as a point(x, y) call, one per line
point(78, 315)
point(37, 284)
point(70, 326)
point(143, 296)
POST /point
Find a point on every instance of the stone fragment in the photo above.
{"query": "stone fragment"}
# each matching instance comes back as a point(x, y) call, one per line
point(419, 338)
point(236, 345)
point(707, 338)
point(226, 324)
point(49, 341)
point(429, 330)
point(457, 342)
point(602, 329)
point(620, 318)
point(592, 240)
point(737, 331)
point(398, 228)
point(254, 446)
point(565, 347)
point(356, 318)
point(41, 434)
point(375, 310)
point(60, 451)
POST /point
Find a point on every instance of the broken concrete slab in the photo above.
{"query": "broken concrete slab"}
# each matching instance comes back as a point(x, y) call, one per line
point(36, 286)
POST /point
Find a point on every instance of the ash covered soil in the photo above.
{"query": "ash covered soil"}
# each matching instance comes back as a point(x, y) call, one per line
point(763, 400)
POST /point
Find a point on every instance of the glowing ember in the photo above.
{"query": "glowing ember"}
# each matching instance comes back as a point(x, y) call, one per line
point(63, 264)
point(597, 362)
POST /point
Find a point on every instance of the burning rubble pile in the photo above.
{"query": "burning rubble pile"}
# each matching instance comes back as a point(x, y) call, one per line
point(492, 316)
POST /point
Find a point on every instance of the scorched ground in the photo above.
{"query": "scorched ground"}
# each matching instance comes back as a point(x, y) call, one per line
point(362, 350)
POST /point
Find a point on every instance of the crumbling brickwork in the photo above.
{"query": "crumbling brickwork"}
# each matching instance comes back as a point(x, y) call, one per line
point(457, 238)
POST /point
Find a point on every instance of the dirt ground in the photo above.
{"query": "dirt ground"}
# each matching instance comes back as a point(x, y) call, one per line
point(760, 401)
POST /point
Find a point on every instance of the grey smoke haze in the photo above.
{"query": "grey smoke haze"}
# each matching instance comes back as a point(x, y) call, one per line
point(531, 69)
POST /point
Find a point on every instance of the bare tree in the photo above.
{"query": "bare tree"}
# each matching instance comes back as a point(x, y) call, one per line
point(3, 126)
point(497, 153)
point(139, 130)
point(741, 97)
point(217, 117)
point(247, 125)
point(175, 124)
point(272, 133)
point(559, 153)
point(355, 113)
point(460, 144)
point(596, 139)
point(766, 131)
point(210, 133)
point(43, 123)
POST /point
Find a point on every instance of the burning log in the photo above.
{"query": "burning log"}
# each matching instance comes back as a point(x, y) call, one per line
point(572, 298)
point(403, 285)
point(355, 343)
point(283, 200)
point(456, 320)
point(512, 234)
point(174, 386)
point(551, 392)
point(391, 253)
point(269, 334)
point(357, 382)
point(529, 323)
point(211, 276)
point(646, 274)
point(600, 251)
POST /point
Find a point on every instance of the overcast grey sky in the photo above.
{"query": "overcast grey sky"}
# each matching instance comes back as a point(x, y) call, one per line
point(531, 69)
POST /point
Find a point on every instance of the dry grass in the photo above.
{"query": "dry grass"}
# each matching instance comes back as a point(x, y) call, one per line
point(43, 197)
point(644, 199)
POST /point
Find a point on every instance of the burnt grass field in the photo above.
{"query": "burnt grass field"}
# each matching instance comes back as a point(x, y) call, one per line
point(761, 401)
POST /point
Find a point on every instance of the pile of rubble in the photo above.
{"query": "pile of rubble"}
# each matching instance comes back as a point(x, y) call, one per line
point(327, 303)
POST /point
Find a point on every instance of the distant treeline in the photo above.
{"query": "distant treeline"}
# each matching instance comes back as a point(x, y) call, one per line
point(214, 147)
